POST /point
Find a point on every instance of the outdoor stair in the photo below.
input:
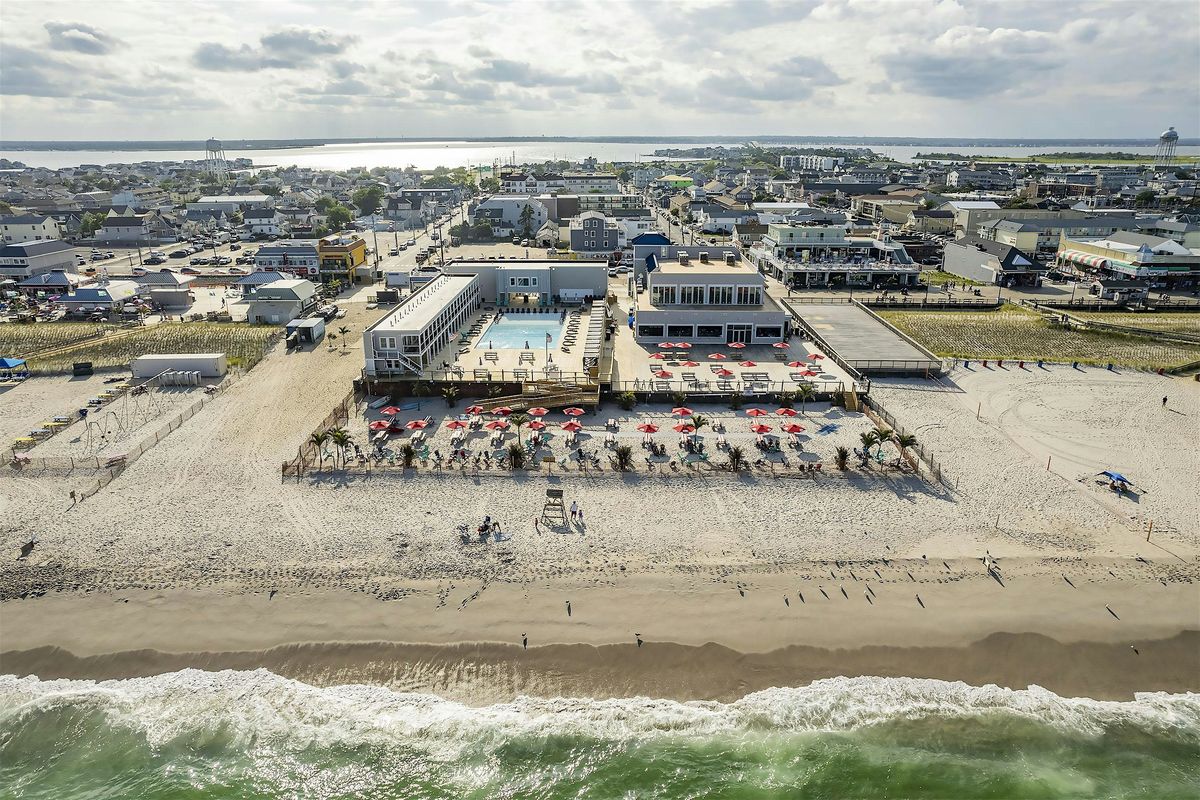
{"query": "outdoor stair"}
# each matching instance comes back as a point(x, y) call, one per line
point(851, 401)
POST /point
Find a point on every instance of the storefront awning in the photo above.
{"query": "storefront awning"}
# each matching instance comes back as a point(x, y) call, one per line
point(1084, 259)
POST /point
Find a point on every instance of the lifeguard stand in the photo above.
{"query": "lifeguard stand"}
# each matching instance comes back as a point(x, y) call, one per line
point(554, 510)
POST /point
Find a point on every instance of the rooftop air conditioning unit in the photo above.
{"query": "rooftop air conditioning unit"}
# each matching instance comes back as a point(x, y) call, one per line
point(683, 259)
point(730, 259)
point(703, 256)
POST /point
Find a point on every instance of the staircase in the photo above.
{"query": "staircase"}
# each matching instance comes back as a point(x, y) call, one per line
point(548, 395)
point(850, 399)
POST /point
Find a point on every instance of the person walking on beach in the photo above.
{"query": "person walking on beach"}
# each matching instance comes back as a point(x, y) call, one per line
point(568, 608)
point(638, 636)
point(579, 514)
point(524, 641)
point(574, 510)
point(1164, 402)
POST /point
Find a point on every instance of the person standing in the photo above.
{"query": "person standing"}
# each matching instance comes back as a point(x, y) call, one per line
point(1164, 402)
point(574, 509)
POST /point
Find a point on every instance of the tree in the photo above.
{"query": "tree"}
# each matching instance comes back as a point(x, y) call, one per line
point(323, 204)
point(344, 332)
point(318, 440)
point(482, 231)
point(698, 421)
point(367, 198)
point(736, 459)
point(841, 455)
point(408, 454)
point(450, 395)
point(516, 456)
point(627, 400)
point(1144, 198)
point(526, 220)
point(623, 457)
point(804, 393)
point(331, 338)
point(91, 222)
point(490, 185)
point(903, 441)
point(341, 440)
point(519, 420)
point(869, 439)
point(272, 190)
point(339, 217)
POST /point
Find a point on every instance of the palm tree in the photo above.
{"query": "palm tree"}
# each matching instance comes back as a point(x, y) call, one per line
point(516, 456)
point(624, 457)
point(330, 337)
point(345, 332)
point(318, 440)
point(869, 440)
point(341, 439)
point(903, 441)
point(841, 454)
point(450, 393)
point(519, 420)
point(787, 399)
point(804, 393)
point(737, 459)
point(698, 421)
point(408, 454)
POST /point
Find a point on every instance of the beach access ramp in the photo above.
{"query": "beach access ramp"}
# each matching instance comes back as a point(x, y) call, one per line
point(862, 339)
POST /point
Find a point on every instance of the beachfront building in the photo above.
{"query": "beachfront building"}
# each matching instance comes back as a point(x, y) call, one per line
point(991, 262)
point(821, 252)
point(26, 259)
point(810, 162)
point(297, 256)
point(56, 281)
point(1125, 255)
point(166, 288)
point(535, 282)
point(702, 300)
point(105, 296)
point(18, 228)
point(279, 301)
point(340, 254)
point(405, 341)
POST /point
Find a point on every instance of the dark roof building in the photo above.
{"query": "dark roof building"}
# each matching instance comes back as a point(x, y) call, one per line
point(986, 261)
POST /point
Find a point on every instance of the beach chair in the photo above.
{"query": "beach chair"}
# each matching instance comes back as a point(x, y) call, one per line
point(722, 444)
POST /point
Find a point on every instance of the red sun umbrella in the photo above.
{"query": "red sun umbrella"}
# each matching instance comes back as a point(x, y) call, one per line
point(379, 425)
point(503, 411)
point(760, 428)
point(572, 426)
point(390, 411)
point(780, 345)
point(474, 409)
point(656, 356)
point(662, 373)
point(456, 425)
point(808, 373)
point(797, 364)
point(538, 412)
point(574, 412)
point(724, 373)
point(647, 428)
point(683, 345)
point(793, 428)
point(718, 356)
point(690, 364)
point(681, 411)
point(757, 412)
point(736, 345)
point(747, 363)
point(416, 424)
point(536, 425)
point(816, 357)
point(786, 412)
point(683, 427)
point(497, 425)
point(666, 345)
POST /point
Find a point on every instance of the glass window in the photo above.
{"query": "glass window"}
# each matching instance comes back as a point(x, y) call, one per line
point(679, 330)
point(748, 296)
point(709, 331)
point(693, 295)
point(720, 295)
point(650, 330)
point(768, 332)
point(662, 295)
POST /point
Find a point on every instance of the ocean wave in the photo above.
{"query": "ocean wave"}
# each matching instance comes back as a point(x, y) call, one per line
point(256, 705)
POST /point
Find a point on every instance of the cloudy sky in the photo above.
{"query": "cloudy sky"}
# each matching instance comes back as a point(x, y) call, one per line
point(295, 68)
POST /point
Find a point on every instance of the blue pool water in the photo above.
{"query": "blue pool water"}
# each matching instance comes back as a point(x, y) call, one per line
point(522, 332)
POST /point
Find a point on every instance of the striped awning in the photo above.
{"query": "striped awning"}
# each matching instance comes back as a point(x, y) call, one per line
point(1085, 259)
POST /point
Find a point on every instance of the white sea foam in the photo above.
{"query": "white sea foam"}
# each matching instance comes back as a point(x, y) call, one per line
point(260, 705)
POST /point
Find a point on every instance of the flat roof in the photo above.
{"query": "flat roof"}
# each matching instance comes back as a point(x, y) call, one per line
point(716, 265)
point(420, 307)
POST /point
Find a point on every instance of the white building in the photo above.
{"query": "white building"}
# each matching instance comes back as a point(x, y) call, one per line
point(810, 162)
point(28, 228)
point(22, 260)
point(503, 213)
point(405, 341)
point(821, 253)
point(280, 301)
point(296, 256)
point(263, 221)
point(231, 203)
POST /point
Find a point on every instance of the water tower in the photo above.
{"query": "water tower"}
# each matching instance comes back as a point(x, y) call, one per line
point(214, 160)
point(1164, 157)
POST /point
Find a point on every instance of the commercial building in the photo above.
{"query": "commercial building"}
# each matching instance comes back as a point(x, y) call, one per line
point(405, 341)
point(821, 253)
point(54, 282)
point(296, 256)
point(1125, 255)
point(535, 282)
point(166, 288)
point(810, 162)
point(701, 300)
point(18, 228)
point(106, 296)
point(280, 301)
point(340, 254)
point(883, 207)
point(26, 259)
point(1042, 235)
point(231, 203)
point(987, 261)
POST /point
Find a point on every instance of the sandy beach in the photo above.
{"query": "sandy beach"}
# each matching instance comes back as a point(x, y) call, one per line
point(199, 554)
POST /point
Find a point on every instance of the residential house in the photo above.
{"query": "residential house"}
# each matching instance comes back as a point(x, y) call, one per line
point(265, 221)
point(508, 216)
point(883, 207)
point(991, 262)
point(593, 232)
point(18, 228)
point(936, 221)
point(749, 233)
point(278, 302)
point(26, 259)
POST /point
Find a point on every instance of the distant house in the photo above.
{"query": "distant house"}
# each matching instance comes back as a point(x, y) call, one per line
point(592, 232)
point(289, 255)
point(127, 225)
point(24, 260)
point(931, 221)
point(748, 233)
point(28, 228)
point(280, 301)
point(263, 221)
point(986, 261)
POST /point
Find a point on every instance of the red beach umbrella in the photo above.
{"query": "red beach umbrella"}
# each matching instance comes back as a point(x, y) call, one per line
point(474, 409)
point(797, 363)
point(379, 425)
point(656, 356)
point(574, 412)
point(816, 357)
point(793, 428)
point(786, 412)
point(690, 364)
point(808, 373)
point(572, 425)
point(780, 345)
point(497, 425)
point(538, 412)
point(666, 345)
point(416, 424)
point(760, 428)
point(736, 345)
point(683, 427)
point(718, 356)
point(503, 411)
point(662, 373)
point(756, 412)
point(456, 425)
point(683, 345)
point(724, 373)
point(536, 425)
point(681, 411)
point(390, 411)
point(647, 428)
point(747, 363)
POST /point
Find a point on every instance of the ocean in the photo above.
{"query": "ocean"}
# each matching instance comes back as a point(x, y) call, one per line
point(194, 734)
point(466, 153)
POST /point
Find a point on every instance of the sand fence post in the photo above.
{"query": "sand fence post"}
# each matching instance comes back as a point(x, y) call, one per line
point(1149, 530)
point(1048, 462)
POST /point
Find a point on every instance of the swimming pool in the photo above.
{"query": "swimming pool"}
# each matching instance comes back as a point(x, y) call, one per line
point(522, 332)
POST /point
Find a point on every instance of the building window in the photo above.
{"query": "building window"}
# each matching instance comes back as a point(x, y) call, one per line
point(710, 331)
point(720, 295)
point(748, 296)
point(768, 332)
point(662, 295)
point(674, 331)
point(691, 295)
point(655, 331)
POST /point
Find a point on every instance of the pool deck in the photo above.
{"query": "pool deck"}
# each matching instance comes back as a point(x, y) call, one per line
point(501, 363)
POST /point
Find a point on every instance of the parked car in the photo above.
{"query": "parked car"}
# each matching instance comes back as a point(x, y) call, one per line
point(190, 271)
point(235, 246)
point(403, 246)
point(198, 262)
point(139, 271)
point(411, 242)
point(181, 253)
point(236, 271)
point(395, 251)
